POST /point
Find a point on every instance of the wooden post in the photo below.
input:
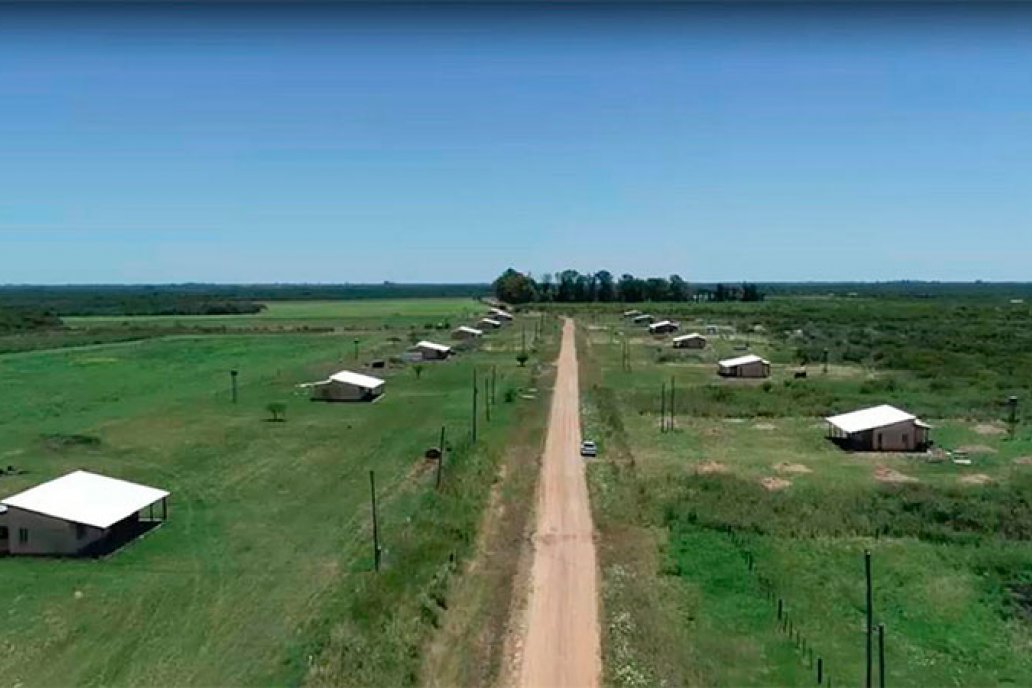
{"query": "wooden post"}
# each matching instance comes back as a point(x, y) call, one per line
point(233, 383)
point(487, 399)
point(881, 655)
point(494, 383)
point(474, 427)
point(781, 607)
point(825, 361)
point(376, 527)
point(662, 409)
point(356, 349)
point(672, 387)
point(820, 670)
point(870, 615)
point(440, 461)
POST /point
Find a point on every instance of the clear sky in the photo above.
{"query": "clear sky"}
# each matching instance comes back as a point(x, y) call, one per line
point(332, 144)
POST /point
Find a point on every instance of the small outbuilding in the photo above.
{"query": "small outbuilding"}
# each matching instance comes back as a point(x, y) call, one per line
point(464, 332)
point(431, 351)
point(749, 365)
point(499, 314)
point(348, 386)
point(489, 323)
point(633, 313)
point(879, 428)
point(643, 319)
point(690, 341)
point(79, 514)
point(664, 327)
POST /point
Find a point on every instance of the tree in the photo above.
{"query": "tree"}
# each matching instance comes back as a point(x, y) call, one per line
point(750, 292)
point(522, 357)
point(278, 411)
point(631, 288)
point(515, 287)
point(606, 290)
point(418, 370)
point(656, 289)
point(678, 289)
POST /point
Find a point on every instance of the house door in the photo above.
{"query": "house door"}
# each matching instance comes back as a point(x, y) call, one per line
point(878, 440)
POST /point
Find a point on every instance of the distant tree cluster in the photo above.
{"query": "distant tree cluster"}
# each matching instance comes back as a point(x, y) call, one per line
point(13, 320)
point(571, 286)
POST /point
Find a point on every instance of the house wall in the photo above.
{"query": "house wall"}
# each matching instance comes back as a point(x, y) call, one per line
point(691, 344)
point(905, 436)
point(341, 391)
point(459, 334)
point(47, 535)
point(757, 369)
point(433, 354)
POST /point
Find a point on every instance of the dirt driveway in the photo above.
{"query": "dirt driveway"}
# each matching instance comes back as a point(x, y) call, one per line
point(561, 643)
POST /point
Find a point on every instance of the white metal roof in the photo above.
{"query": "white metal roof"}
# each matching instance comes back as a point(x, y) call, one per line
point(469, 330)
point(741, 360)
point(633, 311)
point(357, 379)
point(643, 316)
point(870, 418)
point(431, 345)
point(490, 321)
point(661, 323)
point(502, 314)
point(87, 498)
point(686, 337)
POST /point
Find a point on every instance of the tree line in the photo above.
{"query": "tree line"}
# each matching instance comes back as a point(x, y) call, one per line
point(571, 286)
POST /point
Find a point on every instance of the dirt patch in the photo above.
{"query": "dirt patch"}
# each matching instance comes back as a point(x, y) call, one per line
point(710, 468)
point(884, 474)
point(765, 426)
point(772, 484)
point(989, 429)
point(792, 468)
point(976, 479)
point(1023, 461)
point(734, 420)
point(976, 449)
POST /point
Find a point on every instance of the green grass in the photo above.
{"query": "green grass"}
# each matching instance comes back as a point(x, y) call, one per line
point(262, 573)
point(947, 552)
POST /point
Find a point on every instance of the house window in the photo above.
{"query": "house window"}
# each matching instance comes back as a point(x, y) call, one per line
point(80, 531)
point(23, 535)
point(3, 533)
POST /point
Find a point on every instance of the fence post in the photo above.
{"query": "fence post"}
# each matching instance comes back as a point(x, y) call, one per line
point(376, 528)
point(870, 614)
point(881, 655)
point(440, 461)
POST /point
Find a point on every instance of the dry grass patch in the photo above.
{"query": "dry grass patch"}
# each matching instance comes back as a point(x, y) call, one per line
point(989, 429)
point(765, 426)
point(976, 449)
point(710, 468)
point(1023, 461)
point(792, 468)
point(884, 474)
point(773, 484)
point(975, 479)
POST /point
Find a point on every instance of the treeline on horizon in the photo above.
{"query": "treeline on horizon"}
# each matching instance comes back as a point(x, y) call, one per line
point(205, 299)
point(571, 286)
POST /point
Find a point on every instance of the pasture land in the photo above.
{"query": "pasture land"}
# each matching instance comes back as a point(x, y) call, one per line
point(262, 574)
point(747, 472)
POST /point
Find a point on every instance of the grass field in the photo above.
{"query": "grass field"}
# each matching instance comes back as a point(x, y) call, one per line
point(262, 573)
point(950, 544)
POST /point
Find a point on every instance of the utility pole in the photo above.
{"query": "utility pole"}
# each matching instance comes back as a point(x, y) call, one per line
point(881, 655)
point(487, 399)
point(233, 383)
point(870, 615)
point(376, 527)
point(825, 361)
point(1012, 420)
point(356, 349)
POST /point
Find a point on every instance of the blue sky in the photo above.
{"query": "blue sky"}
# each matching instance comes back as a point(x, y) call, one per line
point(333, 144)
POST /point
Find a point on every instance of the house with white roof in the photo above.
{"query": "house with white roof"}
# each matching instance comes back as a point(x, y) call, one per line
point(464, 332)
point(500, 314)
point(749, 365)
point(79, 514)
point(489, 323)
point(643, 319)
point(690, 341)
point(879, 428)
point(664, 327)
point(634, 312)
point(347, 386)
point(431, 351)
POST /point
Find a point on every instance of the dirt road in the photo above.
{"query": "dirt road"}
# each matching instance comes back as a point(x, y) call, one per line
point(561, 645)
